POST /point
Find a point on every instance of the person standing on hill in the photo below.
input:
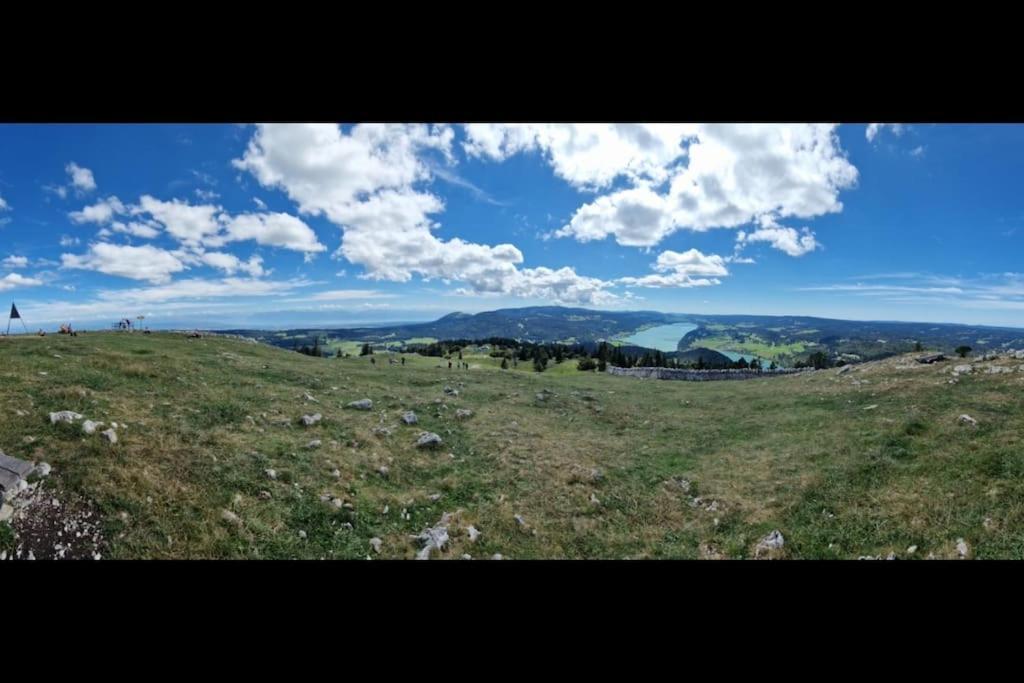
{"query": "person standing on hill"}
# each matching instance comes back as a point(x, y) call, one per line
point(403, 360)
point(373, 361)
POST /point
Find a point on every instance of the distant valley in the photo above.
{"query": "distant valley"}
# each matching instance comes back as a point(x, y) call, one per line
point(785, 340)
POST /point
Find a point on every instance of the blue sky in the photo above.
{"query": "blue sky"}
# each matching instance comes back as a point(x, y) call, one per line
point(283, 224)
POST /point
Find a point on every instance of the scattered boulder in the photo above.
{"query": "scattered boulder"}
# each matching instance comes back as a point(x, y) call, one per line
point(310, 420)
point(962, 549)
point(770, 544)
point(968, 420)
point(871, 407)
point(474, 533)
point(271, 473)
point(362, 404)
point(308, 397)
point(68, 416)
point(315, 443)
point(376, 543)
point(497, 556)
point(843, 370)
point(110, 435)
point(433, 538)
point(382, 431)
point(428, 440)
point(911, 550)
point(90, 427)
point(997, 369)
point(451, 392)
point(963, 369)
point(383, 471)
point(302, 534)
point(463, 413)
point(43, 469)
point(265, 495)
point(409, 418)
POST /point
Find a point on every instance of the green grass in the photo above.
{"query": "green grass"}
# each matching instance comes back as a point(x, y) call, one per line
point(802, 454)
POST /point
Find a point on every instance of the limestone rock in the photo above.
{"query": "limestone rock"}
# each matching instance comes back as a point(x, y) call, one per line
point(362, 404)
point(310, 420)
point(68, 416)
point(110, 435)
point(90, 427)
point(428, 440)
point(770, 543)
point(968, 420)
point(409, 418)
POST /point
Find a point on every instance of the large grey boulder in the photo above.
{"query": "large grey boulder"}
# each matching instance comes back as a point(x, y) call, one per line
point(410, 418)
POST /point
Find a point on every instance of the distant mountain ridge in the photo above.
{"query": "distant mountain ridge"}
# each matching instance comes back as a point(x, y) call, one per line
point(792, 336)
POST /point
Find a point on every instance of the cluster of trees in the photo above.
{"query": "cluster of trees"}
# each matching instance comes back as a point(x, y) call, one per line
point(314, 350)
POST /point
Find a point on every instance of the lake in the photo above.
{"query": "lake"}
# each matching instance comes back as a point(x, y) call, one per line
point(662, 337)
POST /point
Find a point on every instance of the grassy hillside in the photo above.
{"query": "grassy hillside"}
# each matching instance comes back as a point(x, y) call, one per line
point(867, 462)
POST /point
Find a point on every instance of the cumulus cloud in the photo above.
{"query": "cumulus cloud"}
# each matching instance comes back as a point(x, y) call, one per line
point(81, 178)
point(101, 212)
point(682, 269)
point(364, 181)
point(587, 155)
point(231, 264)
point(4, 206)
point(13, 261)
point(206, 195)
point(136, 229)
point(734, 174)
point(873, 129)
point(13, 280)
point(789, 240)
point(273, 230)
point(137, 263)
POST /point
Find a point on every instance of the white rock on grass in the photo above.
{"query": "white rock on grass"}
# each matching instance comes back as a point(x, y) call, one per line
point(110, 435)
point(310, 420)
point(968, 420)
point(362, 404)
point(410, 418)
point(90, 427)
point(474, 533)
point(271, 473)
point(428, 440)
point(963, 369)
point(315, 443)
point(43, 469)
point(433, 538)
point(771, 542)
point(962, 549)
point(376, 543)
point(463, 413)
point(68, 416)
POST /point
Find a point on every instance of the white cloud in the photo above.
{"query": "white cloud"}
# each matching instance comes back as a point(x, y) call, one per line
point(69, 241)
point(917, 151)
point(13, 280)
point(206, 195)
point(81, 178)
point(143, 230)
point(187, 223)
point(58, 190)
point(275, 230)
point(363, 181)
point(587, 155)
point(735, 174)
point(346, 294)
point(231, 264)
point(4, 206)
point(682, 269)
point(137, 263)
point(13, 261)
point(101, 212)
point(260, 203)
point(873, 129)
point(788, 240)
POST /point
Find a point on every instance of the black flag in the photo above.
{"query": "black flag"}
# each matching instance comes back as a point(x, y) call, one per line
point(14, 312)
